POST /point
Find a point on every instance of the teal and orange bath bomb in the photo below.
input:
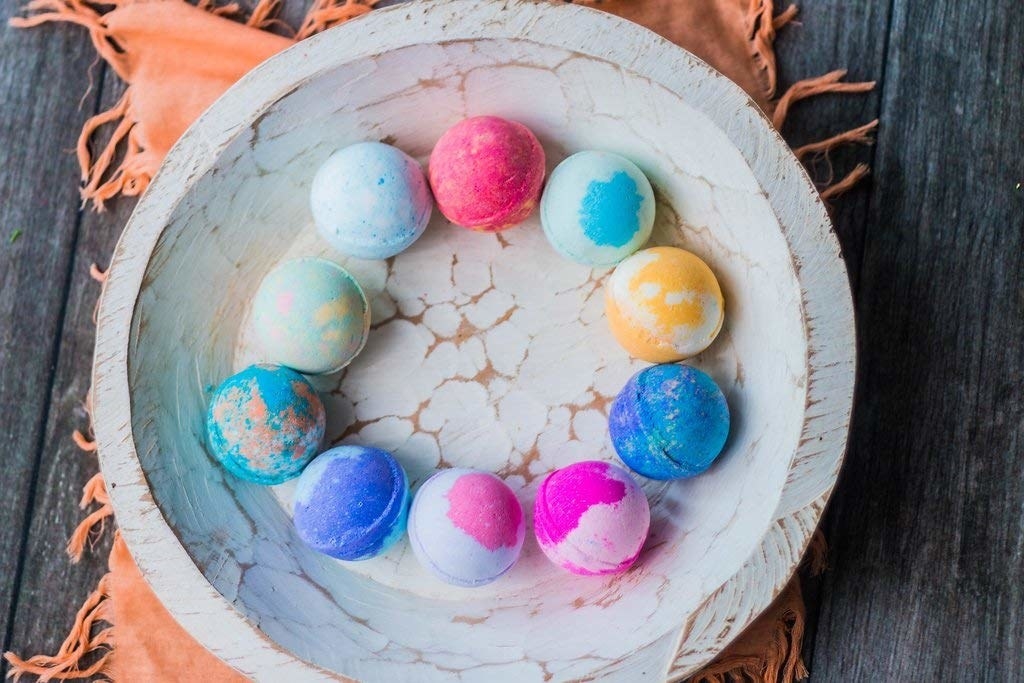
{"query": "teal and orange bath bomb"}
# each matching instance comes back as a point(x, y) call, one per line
point(486, 173)
point(265, 423)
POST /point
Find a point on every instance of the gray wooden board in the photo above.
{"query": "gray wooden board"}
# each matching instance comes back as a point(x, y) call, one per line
point(42, 78)
point(927, 556)
point(927, 550)
point(52, 587)
point(829, 35)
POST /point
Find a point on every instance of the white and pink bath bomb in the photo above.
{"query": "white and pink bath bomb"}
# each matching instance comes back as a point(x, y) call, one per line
point(466, 527)
point(591, 518)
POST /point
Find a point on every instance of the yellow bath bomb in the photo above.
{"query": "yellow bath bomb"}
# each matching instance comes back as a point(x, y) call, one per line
point(664, 304)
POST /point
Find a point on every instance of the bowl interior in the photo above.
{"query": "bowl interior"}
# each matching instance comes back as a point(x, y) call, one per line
point(487, 351)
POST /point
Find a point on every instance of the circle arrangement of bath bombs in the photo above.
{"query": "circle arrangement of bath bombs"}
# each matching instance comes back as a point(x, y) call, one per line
point(466, 527)
point(669, 422)
point(486, 173)
point(265, 423)
point(352, 502)
point(311, 316)
point(664, 304)
point(370, 200)
point(591, 518)
point(597, 208)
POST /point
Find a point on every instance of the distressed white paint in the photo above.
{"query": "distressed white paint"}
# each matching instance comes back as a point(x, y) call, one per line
point(488, 351)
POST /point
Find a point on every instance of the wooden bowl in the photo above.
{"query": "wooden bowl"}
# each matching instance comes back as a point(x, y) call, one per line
point(487, 350)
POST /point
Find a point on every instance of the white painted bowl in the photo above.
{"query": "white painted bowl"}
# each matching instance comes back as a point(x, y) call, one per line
point(488, 351)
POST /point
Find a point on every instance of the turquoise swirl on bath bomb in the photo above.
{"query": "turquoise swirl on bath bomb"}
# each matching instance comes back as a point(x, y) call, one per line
point(669, 422)
point(265, 423)
point(370, 200)
point(597, 208)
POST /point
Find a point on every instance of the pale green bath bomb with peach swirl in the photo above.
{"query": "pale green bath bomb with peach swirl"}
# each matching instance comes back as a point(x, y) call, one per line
point(310, 315)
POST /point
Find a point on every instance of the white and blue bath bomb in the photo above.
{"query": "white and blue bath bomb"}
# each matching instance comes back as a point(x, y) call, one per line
point(352, 502)
point(597, 209)
point(310, 315)
point(370, 200)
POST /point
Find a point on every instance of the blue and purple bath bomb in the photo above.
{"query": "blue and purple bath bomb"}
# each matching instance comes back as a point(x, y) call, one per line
point(597, 208)
point(370, 200)
point(466, 527)
point(265, 423)
point(669, 422)
point(352, 502)
point(310, 315)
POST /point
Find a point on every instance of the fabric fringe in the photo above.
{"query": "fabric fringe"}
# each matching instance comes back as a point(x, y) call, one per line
point(820, 85)
point(323, 14)
point(860, 135)
point(80, 643)
point(762, 23)
point(782, 626)
point(136, 167)
point(810, 87)
point(780, 662)
point(95, 491)
point(859, 172)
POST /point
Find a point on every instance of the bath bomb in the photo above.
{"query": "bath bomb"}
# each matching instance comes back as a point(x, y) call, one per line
point(591, 518)
point(597, 208)
point(466, 527)
point(352, 502)
point(669, 422)
point(265, 423)
point(486, 173)
point(370, 200)
point(664, 304)
point(311, 316)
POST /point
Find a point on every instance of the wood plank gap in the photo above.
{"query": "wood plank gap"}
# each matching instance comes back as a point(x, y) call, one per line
point(51, 378)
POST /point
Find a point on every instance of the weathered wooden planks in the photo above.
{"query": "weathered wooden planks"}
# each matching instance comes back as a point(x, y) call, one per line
point(52, 588)
point(43, 74)
point(926, 526)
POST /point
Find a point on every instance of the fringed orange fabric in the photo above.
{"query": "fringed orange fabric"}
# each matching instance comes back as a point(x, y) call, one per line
point(173, 73)
point(809, 87)
point(80, 643)
point(859, 172)
point(762, 23)
point(860, 135)
point(769, 650)
point(326, 13)
point(95, 491)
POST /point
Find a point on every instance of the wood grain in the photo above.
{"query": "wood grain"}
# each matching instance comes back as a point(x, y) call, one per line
point(927, 546)
point(52, 587)
point(829, 35)
point(42, 77)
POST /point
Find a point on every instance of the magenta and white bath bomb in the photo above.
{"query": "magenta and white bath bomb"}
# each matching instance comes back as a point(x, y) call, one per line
point(466, 527)
point(591, 518)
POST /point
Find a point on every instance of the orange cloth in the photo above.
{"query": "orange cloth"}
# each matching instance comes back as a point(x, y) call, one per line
point(177, 59)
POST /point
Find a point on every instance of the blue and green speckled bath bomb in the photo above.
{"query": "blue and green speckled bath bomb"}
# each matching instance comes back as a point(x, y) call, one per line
point(669, 422)
point(265, 423)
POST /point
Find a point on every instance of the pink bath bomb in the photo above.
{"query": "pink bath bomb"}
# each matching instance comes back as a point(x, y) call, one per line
point(466, 527)
point(486, 173)
point(591, 518)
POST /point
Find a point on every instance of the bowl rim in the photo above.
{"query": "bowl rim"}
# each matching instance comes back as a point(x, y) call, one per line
point(826, 307)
